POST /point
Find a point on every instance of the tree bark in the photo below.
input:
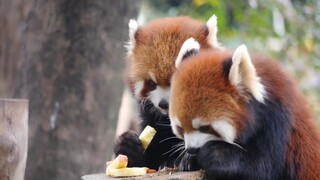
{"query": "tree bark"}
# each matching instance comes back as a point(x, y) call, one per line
point(71, 72)
point(13, 14)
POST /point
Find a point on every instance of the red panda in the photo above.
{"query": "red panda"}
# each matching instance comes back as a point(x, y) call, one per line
point(242, 117)
point(152, 51)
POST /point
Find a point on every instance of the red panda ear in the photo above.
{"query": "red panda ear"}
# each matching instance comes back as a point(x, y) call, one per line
point(133, 28)
point(189, 47)
point(212, 32)
point(243, 74)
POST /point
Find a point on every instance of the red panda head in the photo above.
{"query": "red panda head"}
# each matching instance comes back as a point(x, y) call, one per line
point(153, 49)
point(209, 94)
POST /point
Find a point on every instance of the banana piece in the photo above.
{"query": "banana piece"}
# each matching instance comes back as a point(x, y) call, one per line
point(125, 172)
point(120, 162)
point(146, 136)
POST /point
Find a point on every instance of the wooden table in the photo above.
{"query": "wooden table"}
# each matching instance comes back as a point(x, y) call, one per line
point(194, 175)
point(13, 138)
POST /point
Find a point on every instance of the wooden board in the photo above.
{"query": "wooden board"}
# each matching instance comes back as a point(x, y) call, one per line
point(194, 175)
point(13, 138)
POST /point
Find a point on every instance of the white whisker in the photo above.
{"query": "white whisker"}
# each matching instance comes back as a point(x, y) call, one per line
point(179, 144)
point(172, 137)
point(182, 153)
point(235, 144)
point(177, 150)
point(170, 150)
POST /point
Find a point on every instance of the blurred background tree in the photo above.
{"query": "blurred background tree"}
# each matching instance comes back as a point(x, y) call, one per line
point(13, 15)
point(67, 57)
point(286, 30)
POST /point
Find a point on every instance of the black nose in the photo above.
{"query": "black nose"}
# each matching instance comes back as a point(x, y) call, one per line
point(163, 104)
point(192, 150)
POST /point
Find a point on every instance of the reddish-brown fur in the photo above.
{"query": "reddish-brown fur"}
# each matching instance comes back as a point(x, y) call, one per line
point(157, 47)
point(220, 98)
point(304, 143)
point(205, 102)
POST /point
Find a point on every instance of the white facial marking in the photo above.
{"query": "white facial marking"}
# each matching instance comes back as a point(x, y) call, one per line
point(174, 123)
point(196, 139)
point(157, 95)
point(188, 45)
point(138, 86)
point(243, 73)
point(153, 77)
point(196, 123)
point(225, 129)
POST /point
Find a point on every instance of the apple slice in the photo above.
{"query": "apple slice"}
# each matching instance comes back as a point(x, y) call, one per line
point(125, 172)
point(146, 136)
point(120, 162)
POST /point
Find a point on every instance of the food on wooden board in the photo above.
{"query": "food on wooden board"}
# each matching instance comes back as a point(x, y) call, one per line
point(125, 172)
point(120, 162)
point(118, 167)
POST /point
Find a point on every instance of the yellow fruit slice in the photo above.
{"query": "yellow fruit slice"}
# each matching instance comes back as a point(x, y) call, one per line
point(124, 172)
point(118, 167)
point(146, 136)
point(120, 162)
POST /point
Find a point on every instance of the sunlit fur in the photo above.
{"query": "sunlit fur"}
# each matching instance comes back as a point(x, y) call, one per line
point(152, 51)
point(275, 136)
point(154, 47)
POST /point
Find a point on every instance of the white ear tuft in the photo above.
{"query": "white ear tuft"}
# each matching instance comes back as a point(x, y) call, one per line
point(213, 29)
point(243, 74)
point(133, 27)
point(189, 47)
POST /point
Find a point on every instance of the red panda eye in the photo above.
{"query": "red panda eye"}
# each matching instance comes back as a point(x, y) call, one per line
point(205, 129)
point(151, 85)
point(180, 131)
point(208, 130)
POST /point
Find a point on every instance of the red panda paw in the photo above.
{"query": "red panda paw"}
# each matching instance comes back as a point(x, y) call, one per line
point(219, 159)
point(130, 145)
point(188, 163)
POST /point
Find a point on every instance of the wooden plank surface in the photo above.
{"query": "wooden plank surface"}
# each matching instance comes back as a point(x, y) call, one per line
point(13, 138)
point(193, 175)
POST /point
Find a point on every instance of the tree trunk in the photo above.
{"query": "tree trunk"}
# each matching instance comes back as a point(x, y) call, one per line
point(12, 22)
point(71, 71)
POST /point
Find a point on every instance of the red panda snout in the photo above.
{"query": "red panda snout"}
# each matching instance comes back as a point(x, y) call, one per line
point(220, 129)
point(198, 133)
point(197, 139)
point(160, 98)
point(158, 95)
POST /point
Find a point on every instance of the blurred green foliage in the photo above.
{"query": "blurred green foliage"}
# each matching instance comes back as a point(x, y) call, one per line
point(286, 30)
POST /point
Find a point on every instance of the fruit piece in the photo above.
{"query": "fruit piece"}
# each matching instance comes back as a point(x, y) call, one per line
point(124, 172)
point(120, 162)
point(146, 136)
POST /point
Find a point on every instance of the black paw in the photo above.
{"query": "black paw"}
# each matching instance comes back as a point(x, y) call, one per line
point(213, 153)
point(188, 163)
point(204, 155)
point(129, 144)
point(219, 159)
